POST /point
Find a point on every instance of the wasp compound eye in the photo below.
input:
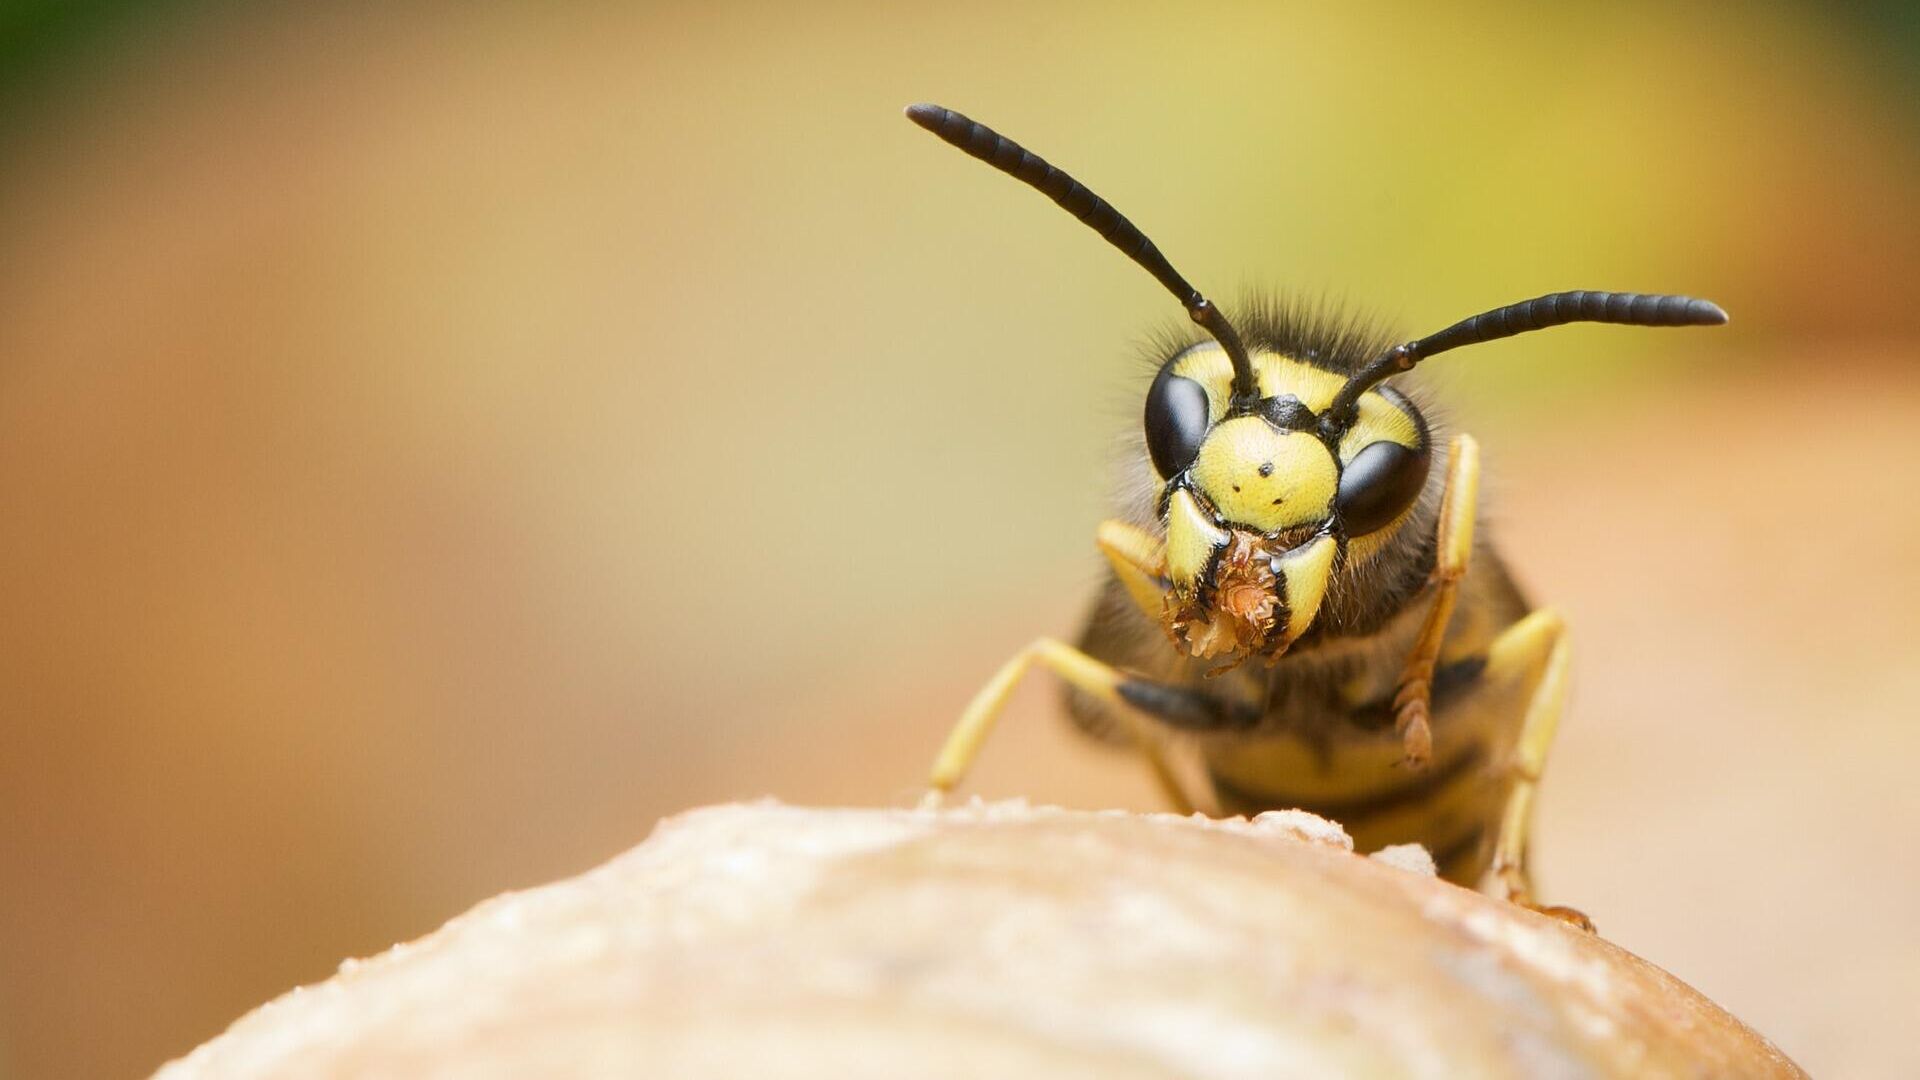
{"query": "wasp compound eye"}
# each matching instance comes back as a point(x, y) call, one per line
point(1378, 485)
point(1177, 420)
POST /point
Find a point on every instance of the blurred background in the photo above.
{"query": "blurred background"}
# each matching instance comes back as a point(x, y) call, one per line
point(438, 440)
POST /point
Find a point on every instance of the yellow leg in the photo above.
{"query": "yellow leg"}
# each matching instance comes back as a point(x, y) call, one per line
point(1413, 700)
point(1077, 668)
point(1537, 642)
point(1139, 561)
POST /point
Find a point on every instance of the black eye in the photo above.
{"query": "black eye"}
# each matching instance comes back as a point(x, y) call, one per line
point(1176, 421)
point(1379, 483)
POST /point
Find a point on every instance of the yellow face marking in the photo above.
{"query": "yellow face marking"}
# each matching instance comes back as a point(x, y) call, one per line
point(1208, 365)
point(1379, 420)
point(1306, 570)
point(1192, 538)
point(1263, 478)
point(1277, 376)
point(1283, 375)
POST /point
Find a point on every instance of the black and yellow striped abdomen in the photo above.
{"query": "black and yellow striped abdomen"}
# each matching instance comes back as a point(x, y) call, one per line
point(1358, 778)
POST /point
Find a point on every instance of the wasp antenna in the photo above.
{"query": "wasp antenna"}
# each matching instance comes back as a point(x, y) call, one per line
point(1558, 309)
point(980, 141)
point(1554, 309)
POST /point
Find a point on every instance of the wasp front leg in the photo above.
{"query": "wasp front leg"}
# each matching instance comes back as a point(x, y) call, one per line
point(1533, 648)
point(1139, 561)
point(1413, 697)
point(1104, 683)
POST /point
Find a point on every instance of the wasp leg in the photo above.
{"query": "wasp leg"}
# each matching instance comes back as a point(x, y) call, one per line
point(1107, 684)
point(1139, 560)
point(1535, 643)
point(1413, 697)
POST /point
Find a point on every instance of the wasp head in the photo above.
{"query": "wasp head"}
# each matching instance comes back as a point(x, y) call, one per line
point(1263, 493)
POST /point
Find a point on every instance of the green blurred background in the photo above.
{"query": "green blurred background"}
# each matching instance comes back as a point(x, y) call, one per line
point(437, 440)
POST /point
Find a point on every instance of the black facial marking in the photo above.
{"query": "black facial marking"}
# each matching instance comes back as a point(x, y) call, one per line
point(1288, 413)
point(1177, 420)
point(1379, 483)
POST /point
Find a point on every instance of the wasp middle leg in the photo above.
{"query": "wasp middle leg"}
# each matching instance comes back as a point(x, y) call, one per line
point(1536, 645)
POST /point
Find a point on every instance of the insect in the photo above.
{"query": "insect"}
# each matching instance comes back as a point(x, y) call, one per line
point(1297, 589)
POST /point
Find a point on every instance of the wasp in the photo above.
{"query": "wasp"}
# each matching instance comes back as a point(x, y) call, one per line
point(1297, 588)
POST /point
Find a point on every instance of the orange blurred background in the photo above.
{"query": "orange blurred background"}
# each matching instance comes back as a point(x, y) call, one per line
point(437, 440)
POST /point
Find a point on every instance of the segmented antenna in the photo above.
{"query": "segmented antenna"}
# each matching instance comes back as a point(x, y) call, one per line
point(981, 141)
point(1554, 309)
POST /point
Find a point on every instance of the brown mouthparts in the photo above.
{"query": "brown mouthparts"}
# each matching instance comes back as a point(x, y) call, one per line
point(1238, 611)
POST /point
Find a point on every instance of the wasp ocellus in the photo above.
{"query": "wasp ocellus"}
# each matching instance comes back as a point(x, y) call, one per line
point(1296, 583)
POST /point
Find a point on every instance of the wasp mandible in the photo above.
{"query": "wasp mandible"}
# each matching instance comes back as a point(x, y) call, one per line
point(1290, 505)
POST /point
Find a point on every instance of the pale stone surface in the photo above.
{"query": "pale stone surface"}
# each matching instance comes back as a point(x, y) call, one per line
point(1410, 857)
point(993, 940)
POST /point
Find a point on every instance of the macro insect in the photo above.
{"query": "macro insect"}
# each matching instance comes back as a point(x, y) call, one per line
point(1296, 586)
